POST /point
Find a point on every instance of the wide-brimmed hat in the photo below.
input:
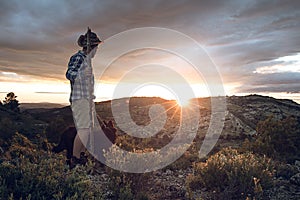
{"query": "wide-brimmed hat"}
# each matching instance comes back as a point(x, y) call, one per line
point(94, 40)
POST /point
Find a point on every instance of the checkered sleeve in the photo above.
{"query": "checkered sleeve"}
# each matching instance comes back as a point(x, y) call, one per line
point(74, 64)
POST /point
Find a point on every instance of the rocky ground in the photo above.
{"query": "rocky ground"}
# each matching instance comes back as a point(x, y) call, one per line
point(171, 185)
point(287, 187)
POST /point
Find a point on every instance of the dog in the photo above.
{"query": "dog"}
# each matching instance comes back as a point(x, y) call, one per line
point(68, 136)
point(66, 142)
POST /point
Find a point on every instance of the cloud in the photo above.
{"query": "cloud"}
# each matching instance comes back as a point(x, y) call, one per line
point(256, 31)
point(276, 82)
point(38, 37)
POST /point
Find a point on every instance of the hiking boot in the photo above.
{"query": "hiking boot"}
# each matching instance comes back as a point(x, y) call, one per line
point(73, 162)
point(68, 162)
point(83, 158)
point(78, 161)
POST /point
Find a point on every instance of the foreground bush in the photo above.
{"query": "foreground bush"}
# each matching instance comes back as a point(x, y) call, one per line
point(278, 139)
point(127, 186)
point(230, 175)
point(30, 173)
point(134, 185)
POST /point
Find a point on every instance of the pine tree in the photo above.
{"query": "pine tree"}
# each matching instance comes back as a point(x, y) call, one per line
point(11, 102)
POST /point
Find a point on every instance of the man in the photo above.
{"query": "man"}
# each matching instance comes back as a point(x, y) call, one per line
point(81, 78)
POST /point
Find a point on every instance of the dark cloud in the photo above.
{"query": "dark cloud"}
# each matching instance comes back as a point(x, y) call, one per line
point(267, 8)
point(269, 88)
point(275, 82)
point(38, 37)
point(257, 31)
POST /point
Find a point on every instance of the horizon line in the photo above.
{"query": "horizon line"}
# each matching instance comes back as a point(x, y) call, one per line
point(109, 99)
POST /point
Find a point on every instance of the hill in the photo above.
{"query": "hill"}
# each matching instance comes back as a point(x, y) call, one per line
point(22, 122)
point(253, 108)
point(237, 168)
point(38, 107)
point(26, 106)
point(244, 112)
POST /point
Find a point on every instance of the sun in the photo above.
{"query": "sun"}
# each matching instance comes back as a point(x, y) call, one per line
point(183, 102)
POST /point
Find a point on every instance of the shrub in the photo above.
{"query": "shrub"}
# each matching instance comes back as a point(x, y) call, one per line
point(28, 126)
point(185, 161)
point(30, 173)
point(55, 128)
point(286, 171)
point(126, 185)
point(135, 183)
point(278, 139)
point(7, 128)
point(18, 146)
point(231, 175)
point(47, 180)
point(119, 185)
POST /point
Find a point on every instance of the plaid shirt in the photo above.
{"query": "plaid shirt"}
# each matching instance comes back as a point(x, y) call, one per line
point(79, 82)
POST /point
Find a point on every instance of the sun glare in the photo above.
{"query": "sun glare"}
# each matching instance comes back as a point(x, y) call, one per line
point(163, 92)
point(152, 90)
point(183, 102)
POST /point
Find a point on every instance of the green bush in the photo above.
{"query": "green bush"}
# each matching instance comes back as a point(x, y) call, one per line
point(20, 146)
point(30, 173)
point(136, 183)
point(7, 128)
point(119, 185)
point(278, 139)
point(27, 125)
point(127, 185)
point(231, 175)
point(47, 180)
point(286, 171)
point(185, 161)
point(55, 128)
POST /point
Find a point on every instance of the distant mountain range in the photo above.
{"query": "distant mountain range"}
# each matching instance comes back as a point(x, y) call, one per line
point(45, 105)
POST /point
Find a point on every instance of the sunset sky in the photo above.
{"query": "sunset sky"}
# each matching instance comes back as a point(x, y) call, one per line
point(255, 45)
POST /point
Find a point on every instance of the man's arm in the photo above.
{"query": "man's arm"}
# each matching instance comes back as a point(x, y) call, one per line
point(74, 64)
